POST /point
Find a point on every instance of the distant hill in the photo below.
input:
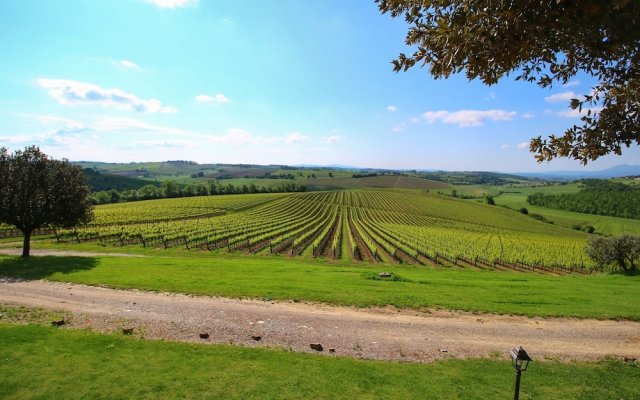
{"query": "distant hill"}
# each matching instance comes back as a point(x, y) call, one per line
point(613, 172)
point(381, 181)
point(100, 181)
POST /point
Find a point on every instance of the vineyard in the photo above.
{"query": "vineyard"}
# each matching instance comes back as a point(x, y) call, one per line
point(389, 226)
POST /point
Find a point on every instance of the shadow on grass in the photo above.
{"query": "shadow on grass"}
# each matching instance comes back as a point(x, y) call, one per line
point(43, 267)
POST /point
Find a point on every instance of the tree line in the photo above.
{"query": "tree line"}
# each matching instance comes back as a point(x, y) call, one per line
point(597, 196)
point(171, 189)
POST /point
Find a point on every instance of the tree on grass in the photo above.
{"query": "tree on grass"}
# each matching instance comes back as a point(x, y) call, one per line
point(36, 192)
point(621, 251)
point(544, 42)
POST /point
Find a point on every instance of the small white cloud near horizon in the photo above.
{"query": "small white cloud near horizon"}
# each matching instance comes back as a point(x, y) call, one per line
point(561, 97)
point(528, 115)
point(295, 137)
point(164, 143)
point(523, 145)
point(129, 65)
point(173, 3)
point(331, 139)
point(219, 98)
point(54, 119)
point(392, 108)
point(132, 125)
point(505, 146)
point(71, 93)
point(467, 118)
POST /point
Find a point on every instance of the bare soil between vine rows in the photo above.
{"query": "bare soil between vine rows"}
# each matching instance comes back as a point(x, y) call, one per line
point(371, 333)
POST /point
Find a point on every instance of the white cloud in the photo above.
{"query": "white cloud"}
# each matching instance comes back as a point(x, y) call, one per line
point(505, 146)
point(295, 137)
point(571, 83)
point(465, 118)
point(132, 125)
point(415, 120)
point(54, 119)
point(490, 96)
point(217, 99)
point(332, 139)
point(523, 145)
point(129, 64)
point(164, 143)
point(398, 128)
point(69, 92)
point(392, 108)
point(528, 115)
point(561, 97)
point(173, 3)
point(234, 136)
point(574, 113)
point(237, 136)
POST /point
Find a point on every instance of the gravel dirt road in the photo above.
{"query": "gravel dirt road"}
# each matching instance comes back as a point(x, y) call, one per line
point(381, 333)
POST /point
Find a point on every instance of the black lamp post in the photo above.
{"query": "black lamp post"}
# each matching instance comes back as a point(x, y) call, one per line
point(520, 360)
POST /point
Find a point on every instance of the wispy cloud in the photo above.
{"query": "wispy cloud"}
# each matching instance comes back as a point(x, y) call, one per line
point(72, 93)
point(129, 64)
point(560, 97)
point(528, 115)
point(132, 125)
point(523, 145)
point(392, 108)
point(398, 128)
point(571, 83)
point(164, 143)
point(575, 113)
point(466, 118)
point(217, 99)
point(490, 96)
point(173, 3)
point(55, 120)
point(505, 146)
point(295, 137)
point(332, 139)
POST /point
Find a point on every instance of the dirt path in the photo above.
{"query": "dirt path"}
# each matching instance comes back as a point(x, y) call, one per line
point(364, 333)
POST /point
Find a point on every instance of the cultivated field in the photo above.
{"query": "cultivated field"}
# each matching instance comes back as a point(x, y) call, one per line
point(389, 226)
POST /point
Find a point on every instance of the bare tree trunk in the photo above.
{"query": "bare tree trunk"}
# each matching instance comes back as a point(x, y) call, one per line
point(26, 245)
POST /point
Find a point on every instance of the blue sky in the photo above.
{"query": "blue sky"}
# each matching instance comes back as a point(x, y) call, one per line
point(265, 82)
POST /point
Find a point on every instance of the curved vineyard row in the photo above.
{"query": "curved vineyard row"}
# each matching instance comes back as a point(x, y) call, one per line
point(371, 225)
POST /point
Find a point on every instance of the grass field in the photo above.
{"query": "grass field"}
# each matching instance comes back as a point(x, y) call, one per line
point(603, 296)
point(46, 363)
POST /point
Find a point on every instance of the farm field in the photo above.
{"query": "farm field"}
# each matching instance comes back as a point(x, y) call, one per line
point(77, 364)
point(377, 226)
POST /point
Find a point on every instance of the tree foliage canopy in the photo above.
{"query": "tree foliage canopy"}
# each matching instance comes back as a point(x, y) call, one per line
point(621, 251)
point(36, 191)
point(541, 41)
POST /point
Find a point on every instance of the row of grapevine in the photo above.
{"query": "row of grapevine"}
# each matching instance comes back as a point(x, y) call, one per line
point(371, 225)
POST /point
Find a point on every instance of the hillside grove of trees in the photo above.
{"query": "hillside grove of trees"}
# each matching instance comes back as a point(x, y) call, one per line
point(171, 189)
point(599, 197)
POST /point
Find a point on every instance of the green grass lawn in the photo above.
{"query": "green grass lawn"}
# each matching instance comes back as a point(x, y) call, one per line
point(50, 363)
point(605, 296)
